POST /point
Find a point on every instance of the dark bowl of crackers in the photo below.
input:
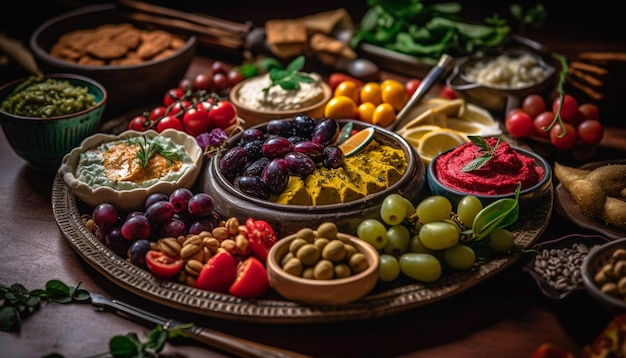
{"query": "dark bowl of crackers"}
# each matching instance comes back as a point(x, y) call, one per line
point(136, 63)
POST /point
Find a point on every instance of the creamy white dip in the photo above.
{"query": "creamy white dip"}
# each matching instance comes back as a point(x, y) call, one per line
point(251, 94)
point(507, 71)
point(91, 170)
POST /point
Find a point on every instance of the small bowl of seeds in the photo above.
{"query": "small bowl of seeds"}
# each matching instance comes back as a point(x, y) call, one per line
point(604, 275)
point(556, 265)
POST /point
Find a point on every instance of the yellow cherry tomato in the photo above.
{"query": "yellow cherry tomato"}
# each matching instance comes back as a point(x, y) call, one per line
point(383, 115)
point(348, 89)
point(366, 112)
point(340, 107)
point(371, 92)
point(394, 93)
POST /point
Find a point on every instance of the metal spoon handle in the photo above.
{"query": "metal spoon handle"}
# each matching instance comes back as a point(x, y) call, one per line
point(425, 85)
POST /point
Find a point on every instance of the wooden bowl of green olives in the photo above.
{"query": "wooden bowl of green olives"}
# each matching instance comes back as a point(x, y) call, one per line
point(43, 129)
point(322, 266)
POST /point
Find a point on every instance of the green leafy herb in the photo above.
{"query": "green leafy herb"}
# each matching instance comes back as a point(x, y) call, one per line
point(485, 148)
point(147, 150)
point(497, 215)
point(290, 77)
point(130, 345)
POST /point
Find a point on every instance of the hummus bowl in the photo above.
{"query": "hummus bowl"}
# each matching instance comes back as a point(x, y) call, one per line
point(253, 113)
point(495, 180)
point(125, 195)
point(288, 218)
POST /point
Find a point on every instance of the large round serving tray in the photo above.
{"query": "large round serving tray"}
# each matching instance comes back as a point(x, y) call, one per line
point(385, 299)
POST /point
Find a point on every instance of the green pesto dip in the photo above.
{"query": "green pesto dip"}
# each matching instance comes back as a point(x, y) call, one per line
point(47, 97)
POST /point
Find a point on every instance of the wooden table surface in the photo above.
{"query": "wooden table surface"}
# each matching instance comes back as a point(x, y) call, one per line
point(505, 315)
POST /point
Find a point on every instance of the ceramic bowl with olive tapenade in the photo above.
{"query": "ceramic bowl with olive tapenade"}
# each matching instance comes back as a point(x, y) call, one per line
point(490, 169)
point(135, 63)
point(45, 117)
point(322, 266)
point(125, 169)
point(292, 173)
point(604, 275)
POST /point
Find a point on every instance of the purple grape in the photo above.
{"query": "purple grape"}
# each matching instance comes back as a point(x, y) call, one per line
point(154, 197)
point(251, 185)
point(160, 212)
point(137, 252)
point(254, 148)
point(334, 157)
point(105, 216)
point(136, 227)
point(200, 205)
point(276, 175)
point(299, 164)
point(233, 161)
point(250, 134)
point(179, 199)
point(173, 228)
point(215, 218)
point(326, 132)
point(117, 242)
point(256, 168)
point(279, 127)
point(201, 225)
point(312, 149)
point(100, 234)
point(277, 147)
point(303, 125)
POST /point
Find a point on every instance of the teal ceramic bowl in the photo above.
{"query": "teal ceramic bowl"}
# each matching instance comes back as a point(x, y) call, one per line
point(43, 142)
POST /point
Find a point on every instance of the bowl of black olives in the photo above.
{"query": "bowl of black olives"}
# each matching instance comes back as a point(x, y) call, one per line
point(301, 171)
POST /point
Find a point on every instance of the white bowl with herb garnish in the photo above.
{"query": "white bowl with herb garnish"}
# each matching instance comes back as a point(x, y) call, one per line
point(490, 169)
point(279, 94)
point(125, 169)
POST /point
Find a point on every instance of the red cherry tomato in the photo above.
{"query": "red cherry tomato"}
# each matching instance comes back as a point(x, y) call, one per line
point(196, 120)
point(218, 273)
point(541, 123)
point(234, 76)
point(569, 109)
point(163, 266)
point(202, 81)
point(172, 95)
point(223, 114)
point(185, 84)
point(220, 82)
point(563, 137)
point(589, 111)
point(169, 122)
point(157, 112)
point(261, 237)
point(519, 124)
point(336, 78)
point(590, 131)
point(448, 93)
point(219, 67)
point(251, 281)
point(411, 86)
point(534, 105)
point(178, 107)
point(139, 123)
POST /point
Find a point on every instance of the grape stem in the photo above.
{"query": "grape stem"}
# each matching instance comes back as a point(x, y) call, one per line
point(561, 92)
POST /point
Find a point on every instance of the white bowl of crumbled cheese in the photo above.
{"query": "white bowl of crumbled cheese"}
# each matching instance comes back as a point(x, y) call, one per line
point(499, 82)
point(256, 106)
point(125, 169)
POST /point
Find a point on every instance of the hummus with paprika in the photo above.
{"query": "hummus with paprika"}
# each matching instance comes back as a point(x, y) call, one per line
point(368, 172)
point(251, 94)
point(500, 175)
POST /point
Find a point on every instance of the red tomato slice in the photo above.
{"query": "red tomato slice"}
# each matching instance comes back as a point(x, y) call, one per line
point(261, 237)
point(163, 266)
point(251, 281)
point(218, 273)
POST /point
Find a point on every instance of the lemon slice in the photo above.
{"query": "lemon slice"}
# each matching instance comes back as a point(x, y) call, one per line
point(357, 142)
point(415, 134)
point(437, 141)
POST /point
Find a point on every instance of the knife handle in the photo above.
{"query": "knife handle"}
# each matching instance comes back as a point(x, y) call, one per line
point(239, 346)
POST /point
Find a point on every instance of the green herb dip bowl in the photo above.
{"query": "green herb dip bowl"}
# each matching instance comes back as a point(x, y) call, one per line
point(44, 141)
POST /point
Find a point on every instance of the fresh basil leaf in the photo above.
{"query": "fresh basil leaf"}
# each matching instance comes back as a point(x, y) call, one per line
point(499, 214)
point(476, 163)
point(289, 84)
point(296, 65)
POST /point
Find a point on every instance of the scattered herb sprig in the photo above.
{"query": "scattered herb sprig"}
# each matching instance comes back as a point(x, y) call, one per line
point(147, 150)
point(290, 77)
point(485, 148)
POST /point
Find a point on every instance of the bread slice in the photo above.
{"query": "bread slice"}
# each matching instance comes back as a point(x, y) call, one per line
point(286, 37)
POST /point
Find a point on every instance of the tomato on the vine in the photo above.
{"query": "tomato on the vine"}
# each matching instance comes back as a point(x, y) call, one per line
point(163, 266)
point(169, 122)
point(569, 108)
point(534, 104)
point(251, 281)
point(157, 112)
point(519, 124)
point(196, 120)
point(542, 124)
point(202, 81)
point(223, 114)
point(589, 111)
point(172, 95)
point(178, 107)
point(139, 123)
point(563, 136)
point(261, 237)
point(590, 131)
